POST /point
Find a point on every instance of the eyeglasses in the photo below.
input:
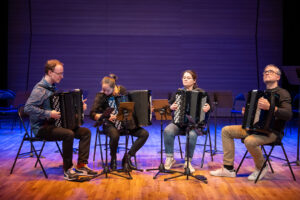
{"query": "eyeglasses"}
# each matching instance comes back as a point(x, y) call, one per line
point(59, 74)
point(270, 72)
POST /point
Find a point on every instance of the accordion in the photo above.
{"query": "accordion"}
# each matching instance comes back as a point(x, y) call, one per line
point(70, 106)
point(255, 119)
point(190, 103)
point(142, 106)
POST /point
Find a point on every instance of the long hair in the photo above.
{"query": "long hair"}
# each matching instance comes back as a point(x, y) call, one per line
point(194, 76)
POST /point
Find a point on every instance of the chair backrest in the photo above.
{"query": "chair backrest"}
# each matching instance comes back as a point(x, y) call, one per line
point(20, 98)
point(6, 98)
point(22, 116)
point(295, 102)
point(238, 98)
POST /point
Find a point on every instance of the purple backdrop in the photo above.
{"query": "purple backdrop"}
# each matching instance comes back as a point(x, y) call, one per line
point(146, 43)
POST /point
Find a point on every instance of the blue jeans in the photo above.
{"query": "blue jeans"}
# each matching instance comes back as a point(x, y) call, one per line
point(173, 130)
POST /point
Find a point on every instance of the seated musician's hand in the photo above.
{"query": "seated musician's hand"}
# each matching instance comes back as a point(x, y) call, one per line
point(54, 114)
point(206, 107)
point(113, 118)
point(243, 110)
point(174, 106)
point(263, 104)
point(84, 104)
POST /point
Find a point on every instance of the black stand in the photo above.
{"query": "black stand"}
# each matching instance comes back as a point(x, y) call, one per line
point(187, 172)
point(215, 151)
point(161, 167)
point(106, 169)
point(126, 168)
point(297, 162)
point(293, 75)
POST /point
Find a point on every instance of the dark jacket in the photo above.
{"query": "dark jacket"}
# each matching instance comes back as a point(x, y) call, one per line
point(101, 102)
point(284, 111)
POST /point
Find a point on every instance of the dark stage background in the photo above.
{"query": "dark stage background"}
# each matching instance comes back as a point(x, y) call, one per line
point(146, 43)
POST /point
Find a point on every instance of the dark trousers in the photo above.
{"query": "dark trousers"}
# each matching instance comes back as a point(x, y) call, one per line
point(114, 136)
point(52, 133)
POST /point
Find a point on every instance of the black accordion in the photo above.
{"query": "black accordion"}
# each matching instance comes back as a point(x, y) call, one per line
point(255, 119)
point(70, 106)
point(190, 103)
point(142, 106)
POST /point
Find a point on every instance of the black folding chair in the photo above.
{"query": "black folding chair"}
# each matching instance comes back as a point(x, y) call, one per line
point(278, 142)
point(206, 132)
point(28, 137)
point(98, 142)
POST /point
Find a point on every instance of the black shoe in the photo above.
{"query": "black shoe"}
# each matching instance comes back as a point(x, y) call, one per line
point(130, 165)
point(113, 164)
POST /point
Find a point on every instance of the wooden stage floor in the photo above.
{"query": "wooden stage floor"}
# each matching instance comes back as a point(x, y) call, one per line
point(28, 182)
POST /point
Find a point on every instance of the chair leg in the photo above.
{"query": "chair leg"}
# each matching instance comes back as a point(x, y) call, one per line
point(12, 168)
point(264, 165)
point(39, 161)
point(40, 154)
point(287, 160)
point(59, 148)
point(210, 145)
point(180, 147)
point(101, 153)
point(237, 170)
point(95, 146)
point(204, 149)
point(263, 148)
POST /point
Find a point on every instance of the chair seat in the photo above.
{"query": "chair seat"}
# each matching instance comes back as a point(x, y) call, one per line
point(236, 111)
point(7, 111)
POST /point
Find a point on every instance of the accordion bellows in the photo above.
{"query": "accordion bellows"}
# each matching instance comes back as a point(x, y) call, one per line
point(190, 103)
point(258, 120)
point(70, 105)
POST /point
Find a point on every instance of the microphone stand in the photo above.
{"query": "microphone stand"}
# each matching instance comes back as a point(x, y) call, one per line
point(161, 167)
point(215, 151)
point(126, 168)
point(106, 169)
point(187, 173)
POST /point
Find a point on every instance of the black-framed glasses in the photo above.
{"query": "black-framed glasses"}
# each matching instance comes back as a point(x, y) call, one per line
point(270, 72)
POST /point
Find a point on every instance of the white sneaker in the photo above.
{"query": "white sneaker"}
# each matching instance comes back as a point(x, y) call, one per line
point(223, 172)
point(169, 162)
point(192, 170)
point(253, 176)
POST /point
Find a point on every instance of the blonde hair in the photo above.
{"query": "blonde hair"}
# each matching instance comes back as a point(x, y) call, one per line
point(112, 84)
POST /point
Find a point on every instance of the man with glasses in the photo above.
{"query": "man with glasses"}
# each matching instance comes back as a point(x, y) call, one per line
point(283, 113)
point(39, 110)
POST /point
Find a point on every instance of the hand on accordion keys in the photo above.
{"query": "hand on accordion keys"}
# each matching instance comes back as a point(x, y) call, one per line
point(105, 115)
point(54, 114)
point(263, 104)
point(174, 106)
